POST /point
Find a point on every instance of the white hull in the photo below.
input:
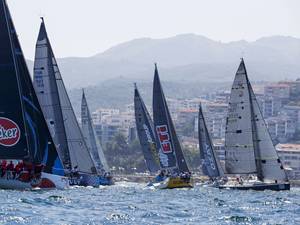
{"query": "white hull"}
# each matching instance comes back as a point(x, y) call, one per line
point(47, 181)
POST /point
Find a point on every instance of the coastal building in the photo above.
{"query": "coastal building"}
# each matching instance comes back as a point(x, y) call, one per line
point(290, 156)
point(98, 114)
point(217, 107)
point(185, 116)
point(278, 90)
point(292, 112)
point(294, 84)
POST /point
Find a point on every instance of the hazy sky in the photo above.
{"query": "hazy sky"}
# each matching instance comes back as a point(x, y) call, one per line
point(83, 28)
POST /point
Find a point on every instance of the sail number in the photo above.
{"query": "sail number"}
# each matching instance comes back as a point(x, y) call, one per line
point(164, 138)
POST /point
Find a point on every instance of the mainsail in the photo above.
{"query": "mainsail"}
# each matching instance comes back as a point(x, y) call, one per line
point(24, 131)
point(259, 153)
point(91, 138)
point(145, 132)
point(170, 153)
point(210, 162)
point(239, 151)
point(49, 85)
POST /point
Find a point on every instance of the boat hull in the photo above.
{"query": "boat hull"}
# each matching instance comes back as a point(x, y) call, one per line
point(173, 183)
point(85, 180)
point(105, 181)
point(46, 181)
point(260, 187)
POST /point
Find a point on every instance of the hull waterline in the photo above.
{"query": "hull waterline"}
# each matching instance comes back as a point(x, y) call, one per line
point(46, 181)
point(260, 187)
point(173, 183)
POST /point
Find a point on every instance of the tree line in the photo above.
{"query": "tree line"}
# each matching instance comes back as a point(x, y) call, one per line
point(128, 158)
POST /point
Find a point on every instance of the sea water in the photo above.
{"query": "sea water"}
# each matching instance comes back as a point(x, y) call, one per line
point(135, 203)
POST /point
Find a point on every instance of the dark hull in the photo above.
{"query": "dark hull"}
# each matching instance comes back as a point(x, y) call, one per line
point(273, 187)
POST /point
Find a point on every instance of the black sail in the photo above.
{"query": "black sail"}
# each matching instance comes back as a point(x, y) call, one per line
point(170, 152)
point(145, 132)
point(45, 85)
point(210, 162)
point(24, 131)
point(49, 83)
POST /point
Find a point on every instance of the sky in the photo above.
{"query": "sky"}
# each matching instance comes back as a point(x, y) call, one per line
point(83, 28)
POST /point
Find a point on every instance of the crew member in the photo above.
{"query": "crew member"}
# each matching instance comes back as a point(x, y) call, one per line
point(74, 172)
point(9, 168)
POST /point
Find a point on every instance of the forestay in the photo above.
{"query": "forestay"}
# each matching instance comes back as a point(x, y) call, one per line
point(210, 162)
point(91, 138)
point(239, 151)
point(79, 154)
point(145, 133)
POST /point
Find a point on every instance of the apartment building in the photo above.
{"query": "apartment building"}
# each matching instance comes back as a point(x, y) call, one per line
point(278, 90)
point(98, 114)
point(292, 112)
point(269, 106)
point(185, 116)
point(281, 128)
point(290, 156)
point(217, 107)
point(295, 85)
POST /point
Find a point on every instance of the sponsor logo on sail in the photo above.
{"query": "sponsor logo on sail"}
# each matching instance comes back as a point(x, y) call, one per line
point(9, 132)
point(210, 157)
point(240, 83)
point(163, 137)
point(149, 139)
point(240, 94)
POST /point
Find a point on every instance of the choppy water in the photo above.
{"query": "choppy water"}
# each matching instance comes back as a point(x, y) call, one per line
point(132, 203)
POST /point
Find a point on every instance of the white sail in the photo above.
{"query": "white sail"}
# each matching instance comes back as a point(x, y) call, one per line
point(269, 167)
point(91, 138)
point(239, 151)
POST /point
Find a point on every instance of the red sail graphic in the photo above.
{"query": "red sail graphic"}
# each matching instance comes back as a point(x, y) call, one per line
point(9, 132)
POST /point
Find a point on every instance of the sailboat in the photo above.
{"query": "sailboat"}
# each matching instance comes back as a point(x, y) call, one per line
point(59, 113)
point(210, 162)
point(145, 132)
point(24, 133)
point(170, 153)
point(248, 146)
point(93, 143)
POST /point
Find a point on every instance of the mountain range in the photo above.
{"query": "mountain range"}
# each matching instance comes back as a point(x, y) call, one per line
point(186, 57)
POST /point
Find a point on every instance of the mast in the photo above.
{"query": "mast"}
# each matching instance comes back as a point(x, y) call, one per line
point(165, 131)
point(91, 138)
point(209, 159)
point(146, 133)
